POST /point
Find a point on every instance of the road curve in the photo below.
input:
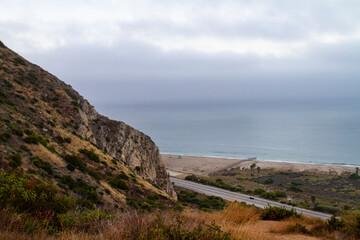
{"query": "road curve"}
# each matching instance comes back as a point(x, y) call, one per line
point(232, 196)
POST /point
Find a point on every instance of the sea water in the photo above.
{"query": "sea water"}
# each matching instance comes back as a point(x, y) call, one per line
point(310, 132)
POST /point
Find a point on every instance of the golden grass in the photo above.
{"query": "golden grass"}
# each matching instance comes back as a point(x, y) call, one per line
point(43, 153)
point(239, 221)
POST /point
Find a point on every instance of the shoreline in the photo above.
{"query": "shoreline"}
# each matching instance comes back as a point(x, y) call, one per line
point(261, 160)
point(203, 165)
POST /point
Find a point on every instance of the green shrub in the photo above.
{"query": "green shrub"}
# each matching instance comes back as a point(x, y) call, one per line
point(32, 77)
point(354, 176)
point(75, 161)
point(16, 130)
point(165, 231)
point(4, 137)
point(259, 191)
point(95, 175)
point(335, 223)
point(295, 188)
point(280, 194)
point(277, 213)
point(218, 183)
point(327, 209)
point(269, 181)
point(269, 195)
point(297, 228)
point(351, 223)
point(114, 161)
point(15, 160)
point(33, 138)
point(81, 187)
point(188, 197)
point(32, 196)
point(59, 139)
point(212, 202)
point(119, 183)
point(19, 60)
point(123, 176)
point(43, 165)
point(91, 155)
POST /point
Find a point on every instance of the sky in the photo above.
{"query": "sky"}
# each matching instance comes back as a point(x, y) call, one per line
point(144, 51)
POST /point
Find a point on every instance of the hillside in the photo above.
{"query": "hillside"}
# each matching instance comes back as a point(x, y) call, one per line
point(53, 134)
point(67, 172)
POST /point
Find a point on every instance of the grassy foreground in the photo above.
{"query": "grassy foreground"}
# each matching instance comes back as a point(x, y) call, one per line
point(33, 209)
point(236, 221)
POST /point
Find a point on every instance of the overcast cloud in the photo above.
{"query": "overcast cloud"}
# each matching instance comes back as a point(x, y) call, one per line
point(141, 51)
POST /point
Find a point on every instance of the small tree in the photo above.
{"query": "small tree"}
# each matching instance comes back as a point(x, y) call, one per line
point(313, 201)
point(252, 166)
point(258, 169)
point(357, 171)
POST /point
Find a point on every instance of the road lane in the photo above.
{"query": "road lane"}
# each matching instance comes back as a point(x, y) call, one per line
point(232, 196)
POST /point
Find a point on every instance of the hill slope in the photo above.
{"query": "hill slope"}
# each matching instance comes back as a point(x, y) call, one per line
point(49, 130)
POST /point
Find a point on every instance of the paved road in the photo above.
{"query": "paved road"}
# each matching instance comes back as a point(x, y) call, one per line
point(232, 196)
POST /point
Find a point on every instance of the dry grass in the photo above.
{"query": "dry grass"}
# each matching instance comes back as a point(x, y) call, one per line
point(239, 221)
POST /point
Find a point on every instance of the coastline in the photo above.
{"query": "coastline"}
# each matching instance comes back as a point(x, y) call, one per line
point(201, 165)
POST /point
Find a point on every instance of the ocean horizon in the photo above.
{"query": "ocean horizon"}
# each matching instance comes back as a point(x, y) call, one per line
point(318, 132)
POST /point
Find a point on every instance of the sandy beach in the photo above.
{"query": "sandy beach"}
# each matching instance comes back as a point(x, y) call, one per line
point(186, 165)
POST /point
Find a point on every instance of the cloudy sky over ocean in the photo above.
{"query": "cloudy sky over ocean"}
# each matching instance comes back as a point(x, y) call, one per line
point(161, 51)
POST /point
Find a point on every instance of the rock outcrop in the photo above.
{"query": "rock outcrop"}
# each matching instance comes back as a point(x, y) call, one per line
point(126, 144)
point(51, 107)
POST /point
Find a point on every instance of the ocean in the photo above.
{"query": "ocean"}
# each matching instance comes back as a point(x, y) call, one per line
point(325, 132)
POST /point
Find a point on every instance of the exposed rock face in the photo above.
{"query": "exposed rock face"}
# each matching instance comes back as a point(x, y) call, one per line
point(125, 143)
point(119, 140)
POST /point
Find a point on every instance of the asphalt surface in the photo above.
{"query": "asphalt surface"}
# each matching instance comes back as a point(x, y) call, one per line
point(232, 196)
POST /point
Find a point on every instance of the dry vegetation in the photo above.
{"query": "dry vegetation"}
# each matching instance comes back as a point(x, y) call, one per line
point(237, 221)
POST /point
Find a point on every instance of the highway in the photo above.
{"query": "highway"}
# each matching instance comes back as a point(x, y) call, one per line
point(232, 196)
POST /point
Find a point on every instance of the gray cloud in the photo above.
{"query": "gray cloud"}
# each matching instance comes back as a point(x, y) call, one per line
point(161, 51)
point(137, 72)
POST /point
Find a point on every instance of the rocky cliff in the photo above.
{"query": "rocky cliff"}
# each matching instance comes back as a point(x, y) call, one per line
point(125, 143)
point(46, 124)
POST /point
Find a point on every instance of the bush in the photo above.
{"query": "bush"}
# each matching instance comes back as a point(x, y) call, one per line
point(188, 197)
point(33, 138)
point(354, 176)
point(212, 202)
point(269, 195)
point(295, 188)
point(117, 182)
point(19, 60)
point(297, 228)
point(218, 183)
point(75, 161)
point(32, 196)
point(80, 187)
point(91, 155)
point(160, 230)
point(16, 130)
point(41, 164)
point(327, 209)
point(95, 175)
point(32, 77)
point(269, 181)
point(15, 160)
point(59, 139)
point(351, 223)
point(4, 137)
point(259, 191)
point(277, 213)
